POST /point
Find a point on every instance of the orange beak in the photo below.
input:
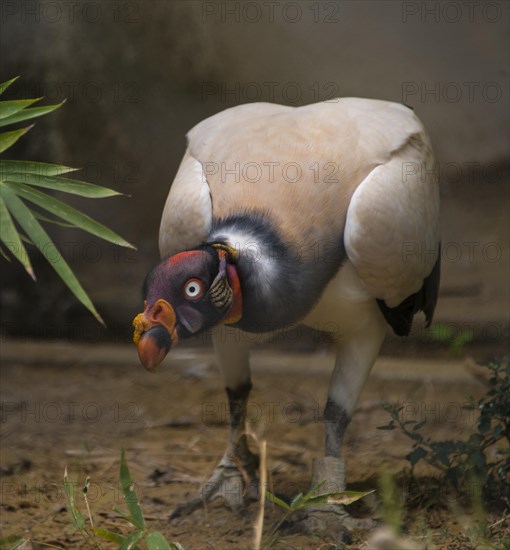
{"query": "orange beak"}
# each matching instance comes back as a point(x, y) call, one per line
point(155, 333)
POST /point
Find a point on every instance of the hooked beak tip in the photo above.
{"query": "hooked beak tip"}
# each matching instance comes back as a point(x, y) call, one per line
point(153, 347)
point(155, 333)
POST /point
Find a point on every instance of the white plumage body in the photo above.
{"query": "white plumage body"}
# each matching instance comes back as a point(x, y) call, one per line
point(333, 209)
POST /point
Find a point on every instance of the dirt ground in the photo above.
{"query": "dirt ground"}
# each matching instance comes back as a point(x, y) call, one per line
point(77, 405)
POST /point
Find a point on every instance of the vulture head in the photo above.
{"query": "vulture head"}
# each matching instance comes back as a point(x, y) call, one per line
point(184, 295)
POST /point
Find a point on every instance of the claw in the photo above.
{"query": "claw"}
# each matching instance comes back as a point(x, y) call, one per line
point(186, 508)
point(234, 481)
point(330, 521)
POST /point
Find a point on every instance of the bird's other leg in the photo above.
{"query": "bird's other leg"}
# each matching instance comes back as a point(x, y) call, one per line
point(234, 479)
point(356, 355)
point(238, 468)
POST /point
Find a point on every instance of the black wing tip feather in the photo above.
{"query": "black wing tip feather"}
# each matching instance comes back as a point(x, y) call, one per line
point(400, 318)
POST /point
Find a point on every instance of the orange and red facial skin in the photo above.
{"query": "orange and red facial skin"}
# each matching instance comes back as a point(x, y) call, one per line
point(170, 314)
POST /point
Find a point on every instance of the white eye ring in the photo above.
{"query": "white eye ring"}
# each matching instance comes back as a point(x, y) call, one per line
point(194, 289)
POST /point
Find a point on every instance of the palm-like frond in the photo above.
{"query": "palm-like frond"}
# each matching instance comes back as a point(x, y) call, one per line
point(22, 181)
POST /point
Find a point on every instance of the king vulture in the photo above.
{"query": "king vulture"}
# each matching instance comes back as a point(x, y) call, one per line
point(325, 215)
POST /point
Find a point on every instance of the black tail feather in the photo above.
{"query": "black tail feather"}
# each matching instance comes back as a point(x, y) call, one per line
point(400, 318)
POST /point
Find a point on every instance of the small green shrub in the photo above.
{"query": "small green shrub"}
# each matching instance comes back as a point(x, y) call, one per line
point(463, 461)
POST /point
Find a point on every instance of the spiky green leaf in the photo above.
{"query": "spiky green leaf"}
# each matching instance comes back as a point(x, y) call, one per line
point(67, 213)
point(5, 85)
point(9, 108)
point(130, 496)
point(12, 240)
point(78, 519)
point(29, 114)
point(7, 139)
point(65, 185)
point(29, 167)
point(38, 235)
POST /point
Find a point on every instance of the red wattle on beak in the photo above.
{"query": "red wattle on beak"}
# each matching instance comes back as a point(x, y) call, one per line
point(155, 333)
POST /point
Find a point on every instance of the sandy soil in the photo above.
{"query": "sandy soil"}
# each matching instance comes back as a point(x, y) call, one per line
point(76, 406)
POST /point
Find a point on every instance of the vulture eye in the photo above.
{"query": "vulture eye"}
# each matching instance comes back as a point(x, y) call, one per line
point(194, 289)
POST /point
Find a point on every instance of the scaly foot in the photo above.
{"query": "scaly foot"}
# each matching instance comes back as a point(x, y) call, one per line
point(234, 480)
point(330, 521)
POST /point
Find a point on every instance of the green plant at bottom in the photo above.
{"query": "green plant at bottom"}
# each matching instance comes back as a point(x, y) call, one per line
point(468, 460)
point(312, 498)
point(154, 540)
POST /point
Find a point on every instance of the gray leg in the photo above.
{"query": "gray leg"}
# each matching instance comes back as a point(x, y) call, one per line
point(355, 357)
point(238, 443)
point(235, 477)
point(336, 420)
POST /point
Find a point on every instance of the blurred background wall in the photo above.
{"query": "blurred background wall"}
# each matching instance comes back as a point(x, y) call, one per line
point(137, 75)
